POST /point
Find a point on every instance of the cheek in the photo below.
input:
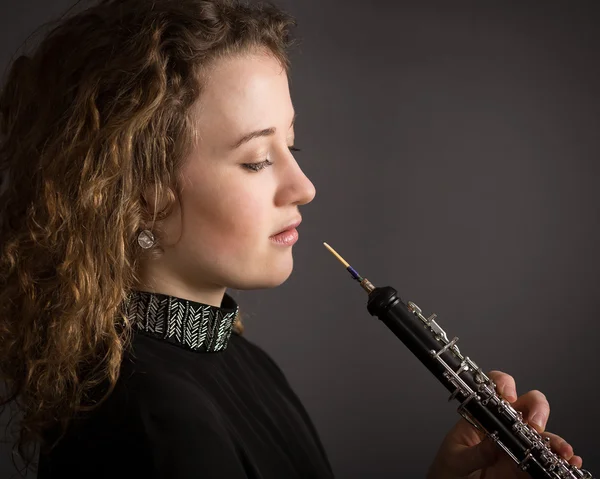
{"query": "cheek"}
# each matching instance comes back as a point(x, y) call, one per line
point(232, 218)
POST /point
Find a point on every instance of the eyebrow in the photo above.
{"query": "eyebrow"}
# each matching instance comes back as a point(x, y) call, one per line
point(258, 133)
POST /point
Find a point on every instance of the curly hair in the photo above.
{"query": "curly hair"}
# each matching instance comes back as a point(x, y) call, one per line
point(98, 113)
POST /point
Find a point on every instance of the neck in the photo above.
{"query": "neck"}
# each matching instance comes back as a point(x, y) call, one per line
point(164, 284)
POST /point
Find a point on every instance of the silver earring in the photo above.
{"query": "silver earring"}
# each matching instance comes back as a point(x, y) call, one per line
point(146, 239)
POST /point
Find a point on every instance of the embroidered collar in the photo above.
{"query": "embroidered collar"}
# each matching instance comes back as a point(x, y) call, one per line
point(192, 325)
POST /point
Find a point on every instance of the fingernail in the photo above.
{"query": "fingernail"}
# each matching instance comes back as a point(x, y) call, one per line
point(567, 452)
point(539, 420)
point(509, 392)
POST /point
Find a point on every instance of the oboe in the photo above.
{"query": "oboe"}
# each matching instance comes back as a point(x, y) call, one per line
point(480, 405)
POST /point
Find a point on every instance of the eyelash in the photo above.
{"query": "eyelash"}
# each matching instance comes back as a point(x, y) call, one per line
point(255, 167)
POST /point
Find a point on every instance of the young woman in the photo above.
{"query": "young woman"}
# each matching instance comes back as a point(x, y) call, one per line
point(147, 148)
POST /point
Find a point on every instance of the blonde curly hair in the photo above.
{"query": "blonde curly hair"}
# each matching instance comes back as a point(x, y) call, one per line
point(96, 115)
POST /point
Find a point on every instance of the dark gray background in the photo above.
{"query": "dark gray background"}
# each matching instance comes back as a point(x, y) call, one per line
point(454, 148)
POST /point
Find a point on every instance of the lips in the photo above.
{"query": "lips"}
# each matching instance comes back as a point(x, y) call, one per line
point(290, 226)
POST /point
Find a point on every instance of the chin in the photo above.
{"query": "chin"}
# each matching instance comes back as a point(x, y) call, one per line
point(275, 281)
point(263, 279)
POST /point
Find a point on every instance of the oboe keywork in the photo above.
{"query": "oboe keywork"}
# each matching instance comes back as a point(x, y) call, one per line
point(476, 392)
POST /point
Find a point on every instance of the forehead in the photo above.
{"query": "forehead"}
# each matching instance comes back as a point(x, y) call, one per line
point(242, 92)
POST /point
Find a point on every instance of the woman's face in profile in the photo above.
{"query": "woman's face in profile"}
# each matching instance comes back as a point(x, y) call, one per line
point(236, 195)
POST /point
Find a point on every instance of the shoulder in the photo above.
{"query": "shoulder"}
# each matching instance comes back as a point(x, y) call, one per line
point(158, 389)
point(183, 430)
point(260, 356)
point(174, 412)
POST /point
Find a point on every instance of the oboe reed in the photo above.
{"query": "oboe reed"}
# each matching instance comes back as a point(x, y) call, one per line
point(364, 282)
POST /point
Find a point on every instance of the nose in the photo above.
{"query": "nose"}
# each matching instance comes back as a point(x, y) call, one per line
point(295, 188)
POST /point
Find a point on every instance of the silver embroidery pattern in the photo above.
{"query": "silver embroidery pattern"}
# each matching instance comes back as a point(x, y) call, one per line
point(195, 326)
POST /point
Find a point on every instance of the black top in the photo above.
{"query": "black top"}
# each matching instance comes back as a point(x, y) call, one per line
point(193, 401)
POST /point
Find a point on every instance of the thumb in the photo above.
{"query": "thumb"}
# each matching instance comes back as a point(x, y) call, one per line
point(469, 459)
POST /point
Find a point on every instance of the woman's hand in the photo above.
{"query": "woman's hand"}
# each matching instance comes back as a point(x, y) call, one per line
point(467, 453)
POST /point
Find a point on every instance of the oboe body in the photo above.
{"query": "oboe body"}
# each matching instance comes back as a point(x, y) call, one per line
point(479, 404)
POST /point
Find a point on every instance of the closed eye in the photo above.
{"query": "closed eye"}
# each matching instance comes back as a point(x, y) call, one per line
point(261, 165)
point(257, 166)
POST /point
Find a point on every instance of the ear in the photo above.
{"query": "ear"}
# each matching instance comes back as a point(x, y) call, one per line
point(165, 224)
point(155, 201)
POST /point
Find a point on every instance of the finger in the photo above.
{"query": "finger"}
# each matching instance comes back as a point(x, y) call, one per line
point(464, 433)
point(505, 385)
point(560, 446)
point(535, 408)
point(576, 461)
point(465, 460)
